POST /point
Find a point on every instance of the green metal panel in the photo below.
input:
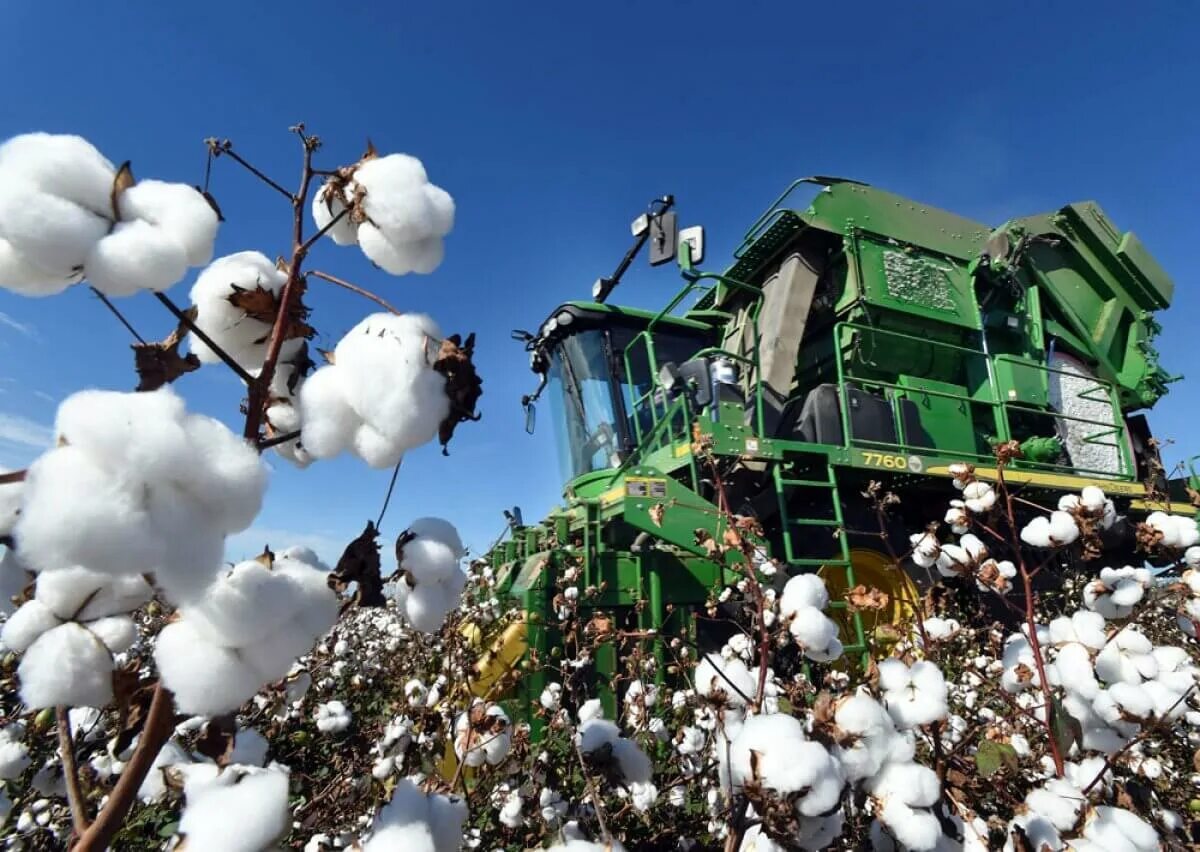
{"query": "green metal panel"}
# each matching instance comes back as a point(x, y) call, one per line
point(917, 283)
point(1022, 380)
point(947, 420)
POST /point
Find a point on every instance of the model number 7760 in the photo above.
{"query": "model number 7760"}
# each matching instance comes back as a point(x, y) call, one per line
point(885, 460)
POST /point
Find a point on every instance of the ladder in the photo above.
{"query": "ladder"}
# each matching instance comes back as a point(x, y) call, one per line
point(794, 530)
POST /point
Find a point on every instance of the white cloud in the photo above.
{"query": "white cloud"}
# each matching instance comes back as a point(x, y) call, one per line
point(15, 429)
point(20, 327)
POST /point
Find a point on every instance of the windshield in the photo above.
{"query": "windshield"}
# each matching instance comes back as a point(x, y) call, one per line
point(591, 408)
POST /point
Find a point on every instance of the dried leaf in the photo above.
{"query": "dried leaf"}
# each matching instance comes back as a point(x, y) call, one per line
point(463, 385)
point(861, 597)
point(217, 739)
point(370, 153)
point(657, 512)
point(731, 538)
point(263, 305)
point(267, 557)
point(360, 564)
point(122, 181)
point(159, 364)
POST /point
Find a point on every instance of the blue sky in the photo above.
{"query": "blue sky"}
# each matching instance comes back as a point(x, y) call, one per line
point(552, 124)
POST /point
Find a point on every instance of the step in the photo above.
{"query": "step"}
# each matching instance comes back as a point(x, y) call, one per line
point(814, 522)
point(808, 483)
point(820, 563)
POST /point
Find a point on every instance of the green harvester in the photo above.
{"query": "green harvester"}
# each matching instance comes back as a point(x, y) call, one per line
point(857, 337)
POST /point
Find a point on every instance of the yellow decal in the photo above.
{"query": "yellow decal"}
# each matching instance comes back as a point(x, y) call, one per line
point(891, 461)
point(682, 450)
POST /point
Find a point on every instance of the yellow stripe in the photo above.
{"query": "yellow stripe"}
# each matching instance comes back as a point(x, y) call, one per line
point(1054, 480)
point(682, 450)
point(613, 495)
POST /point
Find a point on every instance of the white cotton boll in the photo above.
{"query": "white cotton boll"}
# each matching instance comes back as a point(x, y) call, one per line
point(1118, 829)
point(243, 338)
point(1073, 669)
point(178, 211)
point(1085, 627)
point(117, 632)
point(118, 430)
point(427, 606)
point(1058, 801)
point(915, 695)
point(67, 665)
point(61, 164)
point(230, 482)
point(957, 517)
point(594, 733)
point(440, 530)
point(154, 786)
point(135, 256)
point(1191, 558)
point(50, 232)
point(1063, 529)
point(414, 822)
point(914, 828)
point(729, 678)
point(1036, 533)
point(1117, 591)
point(1092, 498)
point(1126, 658)
point(109, 529)
point(979, 497)
point(816, 634)
point(801, 592)
point(206, 679)
point(376, 449)
point(25, 625)
point(326, 205)
point(590, 709)
point(332, 717)
point(772, 750)
point(1067, 502)
point(926, 549)
point(14, 754)
point(240, 809)
point(328, 420)
point(871, 734)
point(21, 276)
point(244, 605)
point(551, 698)
point(939, 629)
point(86, 595)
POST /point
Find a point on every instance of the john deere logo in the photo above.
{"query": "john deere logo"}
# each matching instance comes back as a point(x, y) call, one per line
point(915, 464)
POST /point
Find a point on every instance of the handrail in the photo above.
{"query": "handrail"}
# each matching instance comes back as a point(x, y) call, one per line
point(1003, 407)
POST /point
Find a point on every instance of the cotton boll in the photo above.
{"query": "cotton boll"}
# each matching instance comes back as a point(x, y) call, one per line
point(979, 497)
point(1092, 498)
point(1084, 627)
point(816, 634)
point(1073, 670)
point(244, 605)
point(440, 530)
point(239, 809)
point(772, 750)
point(83, 595)
point(51, 232)
point(25, 625)
point(61, 164)
point(595, 733)
point(913, 695)
point(108, 528)
point(127, 433)
point(926, 549)
point(1058, 801)
point(231, 481)
point(1036, 533)
point(903, 791)
point(117, 632)
point(870, 732)
point(10, 504)
point(326, 205)
point(176, 210)
point(66, 665)
point(206, 679)
point(414, 822)
point(135, 256)
point(241, 336)
point(730, 680)
point(328, 420)
point(1117, 591)
point(1126, 658)
point(801, 592)
point(21, 276)
point(1116, 828)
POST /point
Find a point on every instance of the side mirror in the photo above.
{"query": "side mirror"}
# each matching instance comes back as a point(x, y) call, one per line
point(693, 238)
point(664, 238)
point(530, 418)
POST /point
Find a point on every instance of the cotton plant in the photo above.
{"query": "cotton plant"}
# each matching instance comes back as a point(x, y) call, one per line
point(389, 209)
point(432, 580)
point(67, 214)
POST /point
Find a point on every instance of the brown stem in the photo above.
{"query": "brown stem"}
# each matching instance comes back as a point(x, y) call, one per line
point(154, 736)
point(66, 745)
point(1031, 623)
point(12, 476)
point(311, 241)
point(226, 148)
point(592, 793)
point(186, 319)
point(292, 290)
point(354, 288)
point(120, 316)
point(276, 440)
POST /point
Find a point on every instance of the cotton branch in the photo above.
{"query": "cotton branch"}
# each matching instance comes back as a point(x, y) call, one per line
point(66, 747)
point(354, 288)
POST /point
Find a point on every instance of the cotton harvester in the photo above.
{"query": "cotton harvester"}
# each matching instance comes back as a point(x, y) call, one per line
point(856, 337)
